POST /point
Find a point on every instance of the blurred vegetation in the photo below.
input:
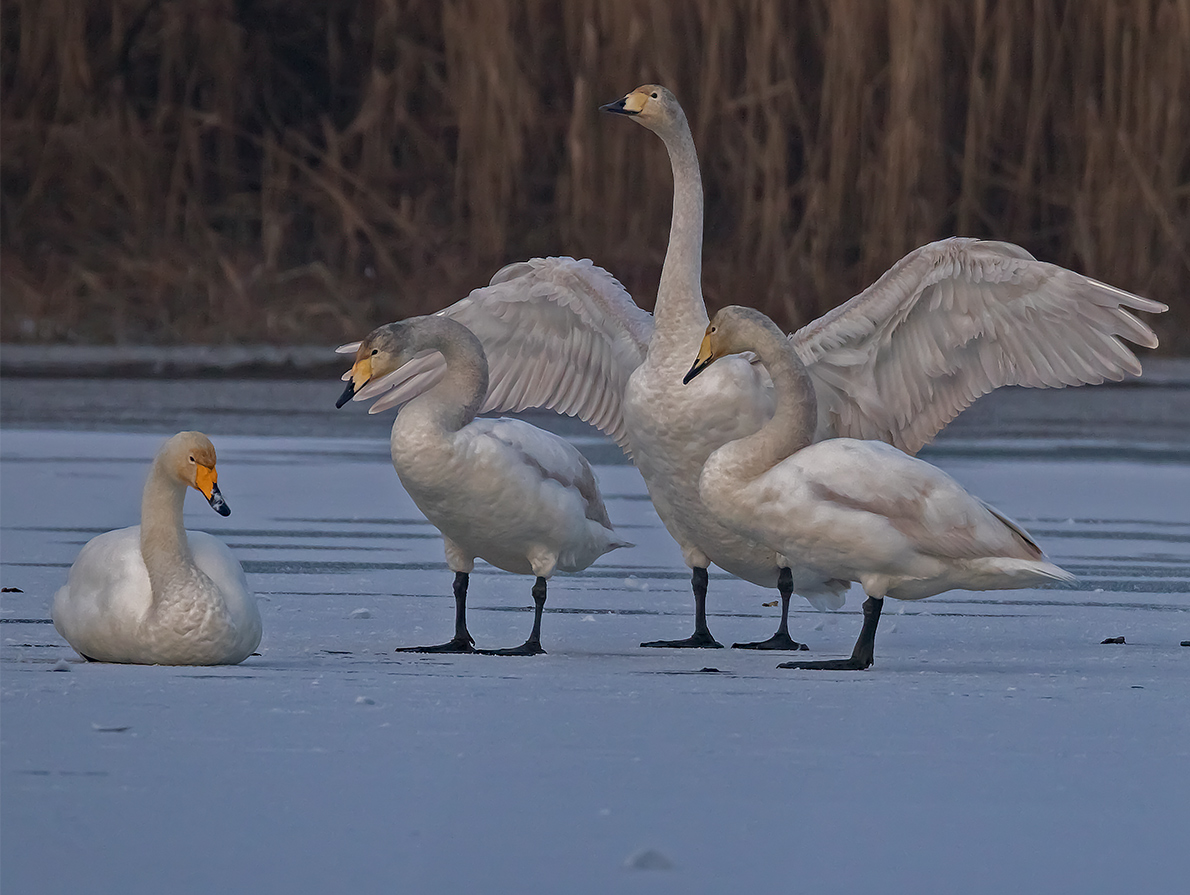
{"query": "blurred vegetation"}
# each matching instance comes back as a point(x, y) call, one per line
point(291, 171)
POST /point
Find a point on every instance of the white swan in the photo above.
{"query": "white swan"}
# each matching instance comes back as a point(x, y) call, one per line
point(949, 322)
point(850, 510)
point(156, 594)
point(501, 490)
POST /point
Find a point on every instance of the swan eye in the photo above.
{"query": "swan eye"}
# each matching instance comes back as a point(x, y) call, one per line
point(191, 459)
point(375, 351)
point(654, 96)
point(714, 329)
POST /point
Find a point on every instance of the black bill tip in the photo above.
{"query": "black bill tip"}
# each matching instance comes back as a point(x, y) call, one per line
point(218, 504)
point(616, 108)
point(348, 394)
point(696, 368)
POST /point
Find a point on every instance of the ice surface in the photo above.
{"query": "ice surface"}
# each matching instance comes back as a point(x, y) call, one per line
point(996, 746)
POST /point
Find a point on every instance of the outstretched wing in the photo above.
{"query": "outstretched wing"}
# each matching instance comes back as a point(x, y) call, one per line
point(558, 333)
point(954, 320)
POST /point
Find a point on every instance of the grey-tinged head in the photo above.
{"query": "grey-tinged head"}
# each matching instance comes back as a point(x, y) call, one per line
point(388, 348)
point(734, 330)
point(189, 457)
point(652, 106)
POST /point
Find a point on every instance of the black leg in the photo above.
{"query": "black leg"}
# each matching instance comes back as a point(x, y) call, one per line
point(701, 638)
point(865, 646)
point(532, 646)
point(462, 642)
point(780, 640)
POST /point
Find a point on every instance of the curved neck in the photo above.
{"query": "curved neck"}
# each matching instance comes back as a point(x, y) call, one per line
point(461, 392)
point(796, 415)
point(680, 311)
point(163, 543)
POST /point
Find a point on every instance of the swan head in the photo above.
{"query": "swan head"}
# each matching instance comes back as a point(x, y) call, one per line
point(190, 458)
point(733, 330)
point(383, 351)
point(388, 348)
point(651, 105)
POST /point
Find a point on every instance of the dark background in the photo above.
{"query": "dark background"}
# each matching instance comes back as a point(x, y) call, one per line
point(224, 171)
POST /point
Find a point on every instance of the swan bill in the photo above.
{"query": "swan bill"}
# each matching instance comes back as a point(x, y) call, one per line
point(348, 394)
point(358, 378)
point(632, 104)
point(206, 481)
point(706, 357)
point(218, 504)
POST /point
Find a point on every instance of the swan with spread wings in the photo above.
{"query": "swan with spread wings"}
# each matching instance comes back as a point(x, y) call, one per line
point(952, 320)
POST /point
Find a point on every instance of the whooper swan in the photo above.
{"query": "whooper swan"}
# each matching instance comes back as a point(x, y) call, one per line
point(850, 510)
point(155, 593)
point(949, 322)
point(520, 498)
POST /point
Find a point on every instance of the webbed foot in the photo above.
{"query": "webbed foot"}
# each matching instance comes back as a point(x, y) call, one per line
point(697, 640)
point(456, 645)
point(779, 641)
point(528, 648)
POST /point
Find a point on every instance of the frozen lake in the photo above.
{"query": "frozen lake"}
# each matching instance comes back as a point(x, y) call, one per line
point(996, 746)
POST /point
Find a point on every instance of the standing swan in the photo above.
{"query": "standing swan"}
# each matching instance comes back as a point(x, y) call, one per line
point(851, 510)
point(502, 490)
point(155, 593)
point(949, 322)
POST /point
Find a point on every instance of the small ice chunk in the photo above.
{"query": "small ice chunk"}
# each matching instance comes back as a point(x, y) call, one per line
point(60, 665)
point(820, 626)
point(588, 618)
point(364, 700)
point(648, 859)
point(360, 613)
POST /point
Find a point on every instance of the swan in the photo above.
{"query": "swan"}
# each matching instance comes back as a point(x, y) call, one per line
point(155, 593)
point(952, 320)
point(844, 509)
point(501, 490)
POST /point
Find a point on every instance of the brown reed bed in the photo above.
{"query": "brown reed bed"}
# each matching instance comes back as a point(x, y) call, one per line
point(287, 171)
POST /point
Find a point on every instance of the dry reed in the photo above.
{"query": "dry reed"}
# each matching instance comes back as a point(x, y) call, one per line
point(284, 170)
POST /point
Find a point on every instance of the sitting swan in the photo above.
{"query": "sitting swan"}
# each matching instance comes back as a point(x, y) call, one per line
point(952, 320)
point(850, 510)
point(155, 593)
point(501, 490)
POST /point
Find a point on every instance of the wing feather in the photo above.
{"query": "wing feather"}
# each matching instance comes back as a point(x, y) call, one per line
point(952, 321)
point(558, 333)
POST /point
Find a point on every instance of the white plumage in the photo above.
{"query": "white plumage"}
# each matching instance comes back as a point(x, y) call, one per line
point(949, 322)
point(156, 594)
point(847, 509)
point(520, 498)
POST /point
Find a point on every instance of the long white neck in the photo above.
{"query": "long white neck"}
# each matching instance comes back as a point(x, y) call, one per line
point(163, 542)
point(792, 425)
point(455, 400)
point(680, 313)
